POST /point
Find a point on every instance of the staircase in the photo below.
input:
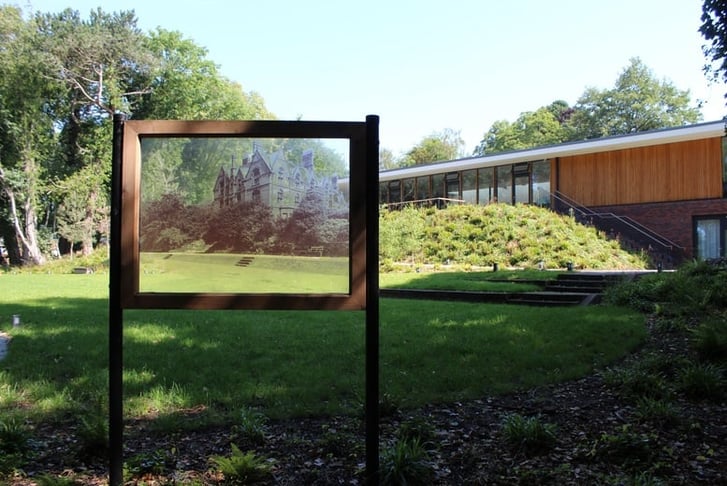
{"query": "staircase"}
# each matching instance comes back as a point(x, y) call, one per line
point(631, 234)
point(576, 288)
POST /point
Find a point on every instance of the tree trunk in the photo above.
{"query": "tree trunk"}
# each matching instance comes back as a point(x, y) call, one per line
point(26, 230)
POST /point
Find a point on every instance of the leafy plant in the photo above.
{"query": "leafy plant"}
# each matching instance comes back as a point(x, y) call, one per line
point(625, 447)
point(656, 410)
point(702, 381)
point(709, 339)
point(93, 432)
point(637, 381)
point(416, 428)
point(406, 462)
point(48, 480)
point(528, 434)
point(154, 462)
point(242, 468)
point(251, 426)
point(14, 437)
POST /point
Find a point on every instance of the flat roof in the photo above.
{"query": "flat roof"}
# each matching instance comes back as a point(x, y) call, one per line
point(618, 142)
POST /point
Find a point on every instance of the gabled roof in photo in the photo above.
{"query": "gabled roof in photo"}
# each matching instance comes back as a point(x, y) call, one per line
point(618, 142)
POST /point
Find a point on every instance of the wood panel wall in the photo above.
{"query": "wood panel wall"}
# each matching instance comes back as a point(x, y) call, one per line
point(668, 172)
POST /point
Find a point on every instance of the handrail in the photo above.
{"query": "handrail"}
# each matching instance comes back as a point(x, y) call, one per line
point(625, 220)
point(424, 201)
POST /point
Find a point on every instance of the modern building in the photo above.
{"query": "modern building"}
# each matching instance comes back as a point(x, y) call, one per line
point(276, 181)
point(664, 191)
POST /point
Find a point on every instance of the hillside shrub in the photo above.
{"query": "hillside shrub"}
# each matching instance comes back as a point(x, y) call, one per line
point(509, 235)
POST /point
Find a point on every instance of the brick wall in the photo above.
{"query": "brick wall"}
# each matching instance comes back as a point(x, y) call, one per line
point(672, 220)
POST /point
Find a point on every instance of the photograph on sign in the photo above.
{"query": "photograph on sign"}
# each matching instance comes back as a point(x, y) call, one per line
point(244, 215)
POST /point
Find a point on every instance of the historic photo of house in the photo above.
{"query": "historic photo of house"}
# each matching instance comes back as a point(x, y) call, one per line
point(231, 214)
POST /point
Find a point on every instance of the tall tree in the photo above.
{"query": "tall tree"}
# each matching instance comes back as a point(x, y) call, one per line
point(545, 126)
point(444, 145)
point(638, 102)
point(27, 133)
point(714, 31)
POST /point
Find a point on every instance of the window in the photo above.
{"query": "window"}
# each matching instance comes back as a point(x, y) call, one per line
point(408, 189)
point(486, 186)
point(504, 184)
point(541, 183)
point(452, 180)
point(469, 186)
point(422, 188)
point(521, 177)
point(394, 192)
point(710, 235)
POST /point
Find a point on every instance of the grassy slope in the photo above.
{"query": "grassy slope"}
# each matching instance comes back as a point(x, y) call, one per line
point(519, 236)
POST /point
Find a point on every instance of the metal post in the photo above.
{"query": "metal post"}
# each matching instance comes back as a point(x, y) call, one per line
point(372, 299)
point(116, 411)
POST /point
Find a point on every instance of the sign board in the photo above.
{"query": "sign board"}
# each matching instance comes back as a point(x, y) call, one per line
point(243, 215)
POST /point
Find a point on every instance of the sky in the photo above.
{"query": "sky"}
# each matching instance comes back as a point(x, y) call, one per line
point(424, 66)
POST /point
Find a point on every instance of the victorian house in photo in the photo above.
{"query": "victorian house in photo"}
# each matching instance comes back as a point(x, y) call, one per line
point(276, 181)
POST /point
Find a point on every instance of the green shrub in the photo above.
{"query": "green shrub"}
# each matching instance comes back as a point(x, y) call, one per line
point(656, 411)
point(242, 468)
point(626, 448)
point(702, 381)
point(14, 437)
point(417, 428)
point(251, 426)
point(406, 462)
point(637, 381)
point(709, 340)
point(528, 434)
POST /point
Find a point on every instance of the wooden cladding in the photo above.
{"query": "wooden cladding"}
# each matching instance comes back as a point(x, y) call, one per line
point(669, 172)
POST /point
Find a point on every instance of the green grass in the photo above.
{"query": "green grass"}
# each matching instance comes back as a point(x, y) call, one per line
point(283, 362)
point(218, 272)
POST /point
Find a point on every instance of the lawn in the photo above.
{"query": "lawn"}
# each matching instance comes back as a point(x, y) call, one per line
point(229, 272)
point(287, 363)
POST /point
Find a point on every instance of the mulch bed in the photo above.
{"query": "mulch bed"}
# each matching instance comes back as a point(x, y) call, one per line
point(599, 441)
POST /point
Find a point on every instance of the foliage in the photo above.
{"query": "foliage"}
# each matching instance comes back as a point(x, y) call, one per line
point(154, 462)
point(696, 289)
point(242, 468)
point(714, 31)
point(93, 431)
point(656, 410)
point(631, 449)
point(702, 381)
point(445, 145)
point(509, 235)
point(528, 434)
point(544, 126)
point(406, 462)
point(637, 102)
point(709, 339)
point(638, 382)
point(251, 426)
point(14, 436)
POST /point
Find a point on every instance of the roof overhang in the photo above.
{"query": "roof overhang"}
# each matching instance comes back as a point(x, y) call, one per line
point(620, 142)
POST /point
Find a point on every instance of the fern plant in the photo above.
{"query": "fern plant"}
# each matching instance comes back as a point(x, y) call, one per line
point(242, 468)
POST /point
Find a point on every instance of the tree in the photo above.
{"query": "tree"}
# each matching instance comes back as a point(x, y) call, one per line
point(445, 145)
point(26, 134)
point(545, 126)
point(638, 102)
point(714, 31)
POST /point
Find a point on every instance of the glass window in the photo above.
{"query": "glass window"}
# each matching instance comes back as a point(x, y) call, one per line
point(709, 236)
point(521, 176)
point(452, 179)
point(422, 188)
point(724, 166)
point(394, 192)
point(486, 183)
point(541, 183)
point(438, 189)
point(469, 186)
point(504, 184)
point(383, 196)
point(407, 186)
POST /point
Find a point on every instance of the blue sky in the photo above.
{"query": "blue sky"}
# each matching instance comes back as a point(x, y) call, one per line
point(424, 66)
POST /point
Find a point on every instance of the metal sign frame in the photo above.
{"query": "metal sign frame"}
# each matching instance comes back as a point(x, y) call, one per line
point(125, 260)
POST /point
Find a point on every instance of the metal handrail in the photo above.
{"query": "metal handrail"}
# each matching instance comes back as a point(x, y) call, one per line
point(625, 220)
point(429, 201)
